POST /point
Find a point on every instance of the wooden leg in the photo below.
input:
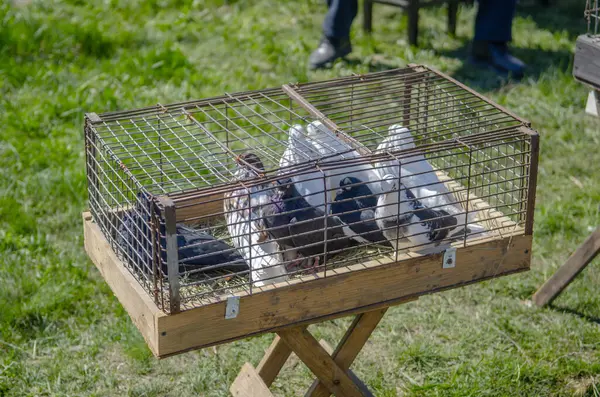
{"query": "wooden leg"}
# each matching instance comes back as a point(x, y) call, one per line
point(593, 103)
point(368, 16)
point(567, 272)
point(452, 11)
point(273, 360)
point(413, 22)
point(331, 367)
point(361, 385)
point(319, 362)
point(249, 384)
point(351, 344)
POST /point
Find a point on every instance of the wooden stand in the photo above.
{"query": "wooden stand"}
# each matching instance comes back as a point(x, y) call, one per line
point(567, 272)
point(331, 367)
point(412, 7)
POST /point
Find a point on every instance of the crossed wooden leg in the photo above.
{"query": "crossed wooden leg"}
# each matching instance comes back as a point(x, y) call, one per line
point(330, 368)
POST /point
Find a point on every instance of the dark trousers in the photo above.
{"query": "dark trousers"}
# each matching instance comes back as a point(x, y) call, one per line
point(493, 21)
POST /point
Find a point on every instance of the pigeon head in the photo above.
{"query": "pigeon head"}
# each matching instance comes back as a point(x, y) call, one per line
point(402, 138)
point(389, 183)
point(249, 165)
point(285, 188)
point(351, 186)
point(295, 133)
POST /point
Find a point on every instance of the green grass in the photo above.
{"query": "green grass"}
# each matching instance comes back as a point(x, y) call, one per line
point(63, 333)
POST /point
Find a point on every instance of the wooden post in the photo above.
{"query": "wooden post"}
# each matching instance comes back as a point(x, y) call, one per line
point(567, 272)
point(452, 11)
point(368, 16)
point(172, 253)
point(413, 22)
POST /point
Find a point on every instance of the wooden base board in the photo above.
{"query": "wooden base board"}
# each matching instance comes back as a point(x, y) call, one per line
point(347, 290)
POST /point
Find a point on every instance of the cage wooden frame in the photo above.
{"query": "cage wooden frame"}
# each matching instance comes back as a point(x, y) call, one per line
point(381, 281)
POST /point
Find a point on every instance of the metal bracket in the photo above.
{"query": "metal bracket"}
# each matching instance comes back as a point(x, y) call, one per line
point(449, 258)
point(233, 307)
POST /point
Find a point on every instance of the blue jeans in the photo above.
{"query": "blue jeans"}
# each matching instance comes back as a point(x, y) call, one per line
point(493, 21)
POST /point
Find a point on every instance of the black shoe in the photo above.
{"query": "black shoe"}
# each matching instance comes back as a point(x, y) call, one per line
point(328, 51)
point(496, 56)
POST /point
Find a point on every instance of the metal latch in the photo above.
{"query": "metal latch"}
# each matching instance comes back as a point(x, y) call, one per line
point(449, 258)
point(233, 307)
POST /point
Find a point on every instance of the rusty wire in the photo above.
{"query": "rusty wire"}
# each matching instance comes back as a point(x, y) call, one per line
point(188, 155)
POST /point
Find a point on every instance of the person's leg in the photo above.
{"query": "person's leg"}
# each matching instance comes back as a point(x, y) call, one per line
point(336, 33)
point(493, 22)
point(339, 18)
point(493, 32)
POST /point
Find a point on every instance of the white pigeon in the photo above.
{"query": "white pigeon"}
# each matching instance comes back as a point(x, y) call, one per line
point(310, 184)
point(407, 223)
point(419, 176)
point(333, 149)
point(262, 256)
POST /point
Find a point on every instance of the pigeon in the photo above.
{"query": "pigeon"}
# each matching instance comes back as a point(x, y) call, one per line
point(295, 224)
point(199, 253)
point(242, 213)
point(333, 149)
point(407, 223)
point(419, 176)
point(355, 204)
point(310, 184)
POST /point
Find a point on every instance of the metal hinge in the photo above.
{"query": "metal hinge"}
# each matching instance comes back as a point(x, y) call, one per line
point(449, 258)
point(233, 307)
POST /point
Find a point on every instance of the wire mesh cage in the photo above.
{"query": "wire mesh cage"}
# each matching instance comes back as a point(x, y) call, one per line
point(255, 191)
point(587, 51)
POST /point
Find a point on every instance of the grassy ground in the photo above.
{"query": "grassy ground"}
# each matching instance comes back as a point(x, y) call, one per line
point(63, 333)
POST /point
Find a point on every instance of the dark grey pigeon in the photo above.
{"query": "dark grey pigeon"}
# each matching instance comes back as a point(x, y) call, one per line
point(355, 204)
point(197, 250)
point(295, 223)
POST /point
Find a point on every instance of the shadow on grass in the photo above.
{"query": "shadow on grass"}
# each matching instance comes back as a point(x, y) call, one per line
point(558, 16)
point(538, 62)
point(374, 65)
point(566, 310)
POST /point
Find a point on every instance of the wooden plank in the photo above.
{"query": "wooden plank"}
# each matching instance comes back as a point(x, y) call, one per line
point(273, 360)
point(319, 362)
point(357, 381)
point(532, 183)
point(345, 289)
point(585, 62)
point(249, 384)
point(351, 344)
point(567, 272)
point(136, 301)
point(199, 210)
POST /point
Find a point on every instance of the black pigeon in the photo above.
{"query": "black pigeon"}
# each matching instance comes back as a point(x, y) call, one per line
point(295, 223)
point(439, 223)
point(355, 204)
point(197, 250)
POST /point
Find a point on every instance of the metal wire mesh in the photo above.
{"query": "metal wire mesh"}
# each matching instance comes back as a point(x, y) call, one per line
point(591, 15)
point(228, 195)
